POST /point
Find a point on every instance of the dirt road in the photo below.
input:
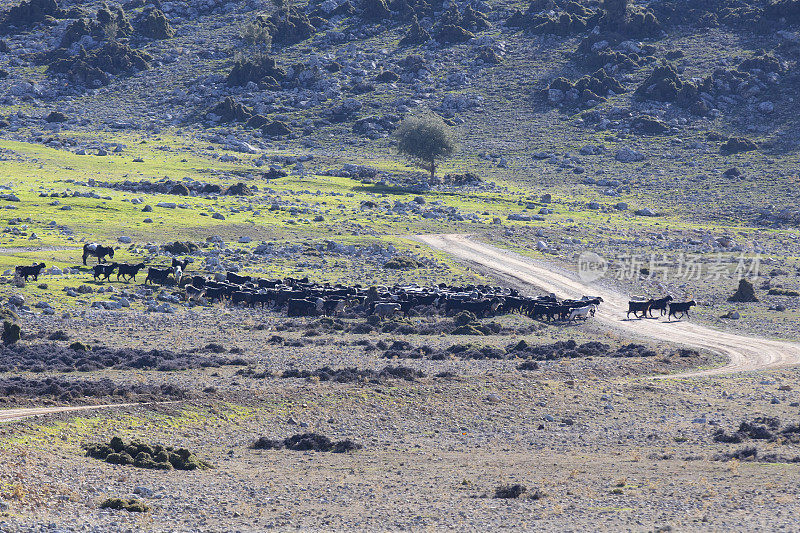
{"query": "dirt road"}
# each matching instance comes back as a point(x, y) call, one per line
point(744, 353)
point(7, 415)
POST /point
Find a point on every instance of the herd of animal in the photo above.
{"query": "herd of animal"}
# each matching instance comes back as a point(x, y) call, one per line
point(665, 305)
point(300, 297)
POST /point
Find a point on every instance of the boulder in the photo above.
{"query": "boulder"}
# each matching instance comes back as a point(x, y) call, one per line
point(628, 155)
point(745, 293)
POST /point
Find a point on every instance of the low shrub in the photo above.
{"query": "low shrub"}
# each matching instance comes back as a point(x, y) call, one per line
point(132, 505)
point(307, 442)
point(155, 457)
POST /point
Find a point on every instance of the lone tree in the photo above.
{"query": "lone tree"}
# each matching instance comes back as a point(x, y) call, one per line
point(425, 138)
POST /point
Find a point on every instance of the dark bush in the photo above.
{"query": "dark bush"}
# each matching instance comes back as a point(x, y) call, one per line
point(744, 293)
point(734, 145)
point(258, 69)
point(28, 13)
point(649, 125)
point(11, 333)
point(353, 375)
point(231, 111)
point(307, 442)
point(56, 116)
point(416, 34)
point(132, 505)
point(58, 335)
point(510, 491)
point(93, 68)
point(51, 357)
point(64, 390)
point(154, 24)
point(156, 456)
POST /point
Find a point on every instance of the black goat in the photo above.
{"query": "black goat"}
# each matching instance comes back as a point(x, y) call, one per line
point(680, 307)
point(33, 271)
point(178, 263)
point(158, 275)
point(233, 277)
point(639, 307)
point(660, 305)
point(104, 271)
point(304, 307)
point(97, 250)
point(128, 271)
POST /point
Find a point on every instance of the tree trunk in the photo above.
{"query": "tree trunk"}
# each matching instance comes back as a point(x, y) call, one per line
point(433, 169)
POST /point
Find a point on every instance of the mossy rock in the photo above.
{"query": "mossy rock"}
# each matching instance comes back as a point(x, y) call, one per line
point(28, 13)
point(416, 34)
point(93, 68)
point(154, 24)
point(452, 34)
point(132, 505)
point(239, 189)
point(56, 116)
point(254, 69)
point(276, 128)
point(649, 125)
point(12, 333)
point(231, 111)
point(122, 458)
point(734, 145)
point(387, 76)
point(375, 10)
point(180, 190)
point(257, 121)
point(782, 292)
point(745, 293)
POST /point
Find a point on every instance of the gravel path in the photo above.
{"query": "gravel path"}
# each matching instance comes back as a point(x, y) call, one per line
point(8, 415)
point(744, 353)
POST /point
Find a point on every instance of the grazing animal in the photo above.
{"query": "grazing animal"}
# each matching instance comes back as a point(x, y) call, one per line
point(215, 293)
point(660, 305)
point(680, 307)
point(244, 297)
point(104, 271)
point(582, 312)
point(158, 275)
point(304, 307)
point(333, 307)
point(97, 250)
point(639, 309)
point(25, 272)
point(384, 309)
point(178, 263)
point(233, 277)
point(128, 271)
point(193, 293)
point(177, 272)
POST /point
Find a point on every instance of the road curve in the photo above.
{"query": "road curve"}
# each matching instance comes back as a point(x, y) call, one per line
point(9, 415)
point(744, 353)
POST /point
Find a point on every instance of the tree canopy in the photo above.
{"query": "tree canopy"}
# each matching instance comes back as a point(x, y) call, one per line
point(425, 138)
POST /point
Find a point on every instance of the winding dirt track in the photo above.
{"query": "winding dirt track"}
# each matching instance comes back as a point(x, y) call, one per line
point(8, 415)
point(744, 353)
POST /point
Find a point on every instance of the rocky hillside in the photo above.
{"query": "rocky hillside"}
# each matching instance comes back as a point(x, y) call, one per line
point(677, 102)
